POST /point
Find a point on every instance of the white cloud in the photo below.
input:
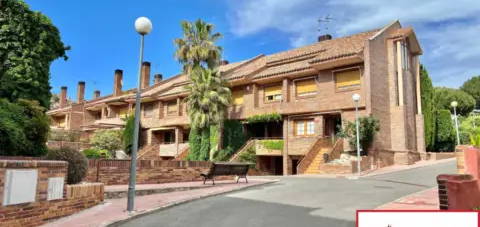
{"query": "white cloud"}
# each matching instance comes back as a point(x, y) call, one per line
point(448, 30)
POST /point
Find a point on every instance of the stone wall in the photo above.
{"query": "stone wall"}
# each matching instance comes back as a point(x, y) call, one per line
point(65, 144)
point(74, 199)
point(112, 172)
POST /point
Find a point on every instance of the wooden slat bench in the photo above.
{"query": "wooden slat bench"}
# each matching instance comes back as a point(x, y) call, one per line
point(226, 169)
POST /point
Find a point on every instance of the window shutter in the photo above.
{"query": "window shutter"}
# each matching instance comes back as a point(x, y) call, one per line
point(273, 90)
point(348, 78)
point(305, 87)
point(237, 97)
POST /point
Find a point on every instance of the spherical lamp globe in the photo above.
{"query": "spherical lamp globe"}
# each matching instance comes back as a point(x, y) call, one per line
point(356, 97)
point(454, 104)
point(143, 25)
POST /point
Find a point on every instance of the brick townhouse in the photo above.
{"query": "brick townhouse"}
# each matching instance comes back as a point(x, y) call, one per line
point(311, 87)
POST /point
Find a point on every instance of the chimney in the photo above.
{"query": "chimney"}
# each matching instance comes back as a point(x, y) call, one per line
point(96, 94)
point(117, 82)
point(157, 78)
point(80, 91)
point(324, 37)
point(63, 96)
point(145, 78)
point(224, 62)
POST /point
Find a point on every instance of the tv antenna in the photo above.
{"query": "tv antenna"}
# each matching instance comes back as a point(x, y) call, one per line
point(323, 23)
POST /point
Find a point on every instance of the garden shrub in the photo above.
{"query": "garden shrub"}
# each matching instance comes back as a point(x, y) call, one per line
point(273, 144)
point(233, 139)
point(93, 153)
point(445, 134)
point(108, 139)
point(77, 163)
point(444, 96)
point(248, 156)
point(127, 135)
point(368, 127)
point(194, 142)
point(64, 135)
point(271, 117)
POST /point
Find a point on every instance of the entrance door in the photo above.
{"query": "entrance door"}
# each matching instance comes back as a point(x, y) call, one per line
point(333, 124)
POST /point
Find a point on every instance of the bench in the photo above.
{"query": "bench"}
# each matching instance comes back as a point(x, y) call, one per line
point(226, 169)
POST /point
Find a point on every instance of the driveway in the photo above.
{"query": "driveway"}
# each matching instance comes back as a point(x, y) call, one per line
point(298, 201)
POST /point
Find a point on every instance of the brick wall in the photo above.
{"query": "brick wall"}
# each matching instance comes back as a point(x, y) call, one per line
point(73, 145)
point(111, 172)
point(75, 197)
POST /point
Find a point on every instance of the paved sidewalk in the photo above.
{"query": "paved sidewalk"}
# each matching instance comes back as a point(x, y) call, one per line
point(124, 187)
point(113, 210)
point(424, 200)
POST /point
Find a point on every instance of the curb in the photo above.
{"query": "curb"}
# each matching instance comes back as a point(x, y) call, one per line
point(150, 211)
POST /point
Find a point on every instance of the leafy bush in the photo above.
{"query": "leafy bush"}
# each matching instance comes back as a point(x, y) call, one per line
point(475, 139)
point(127, 135)
point(110, 140)
point(248, 156)
point(199, 141)
point(444, 96)
point(233, 139)
point(271, 117)
point(64, 135)
point(368, 127)
point(93, 153)
point(77, 163)
point(24, 128)
point(273, 144)
point(445, 134)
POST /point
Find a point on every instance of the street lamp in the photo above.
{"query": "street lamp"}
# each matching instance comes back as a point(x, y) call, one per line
point(454, 104)
point(143, 26)
point(356, 99)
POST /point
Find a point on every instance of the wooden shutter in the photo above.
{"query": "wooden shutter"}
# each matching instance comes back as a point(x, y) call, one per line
point(237, 97)
point(349, 78)
point(273, 90)
point(306, 87)
point(172, 107)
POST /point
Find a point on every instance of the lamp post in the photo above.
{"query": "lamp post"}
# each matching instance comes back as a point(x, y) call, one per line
point(143, 26)
point(356, 99)
point(454, 104)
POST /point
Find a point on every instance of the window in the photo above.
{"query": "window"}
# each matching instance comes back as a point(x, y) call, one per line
point(405, 57)
point(347, 79)
point(237, 97)
point(61, 122)
point(148, 109)
point(273, 93)
point(172, 108)
point(305, 87)
point(305, 127)
point(123, 112)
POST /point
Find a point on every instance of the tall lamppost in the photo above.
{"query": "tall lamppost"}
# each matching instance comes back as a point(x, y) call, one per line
point(454, 104)
point(143, 26)
point(356, 99)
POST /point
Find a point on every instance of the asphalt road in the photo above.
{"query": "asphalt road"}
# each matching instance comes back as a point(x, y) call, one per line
point(297, 201)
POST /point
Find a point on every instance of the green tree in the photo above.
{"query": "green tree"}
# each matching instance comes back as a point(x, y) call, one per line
point(445, 134)
point(209, 95)
point(108, 139)
point(472, 87)
point(368, 127)
point(24, 128)
point(197, 47)
point(444, 96)
point(428, 108)
point(29, 43)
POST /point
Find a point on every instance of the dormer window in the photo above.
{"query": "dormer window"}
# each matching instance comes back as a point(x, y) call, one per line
point(306, 87)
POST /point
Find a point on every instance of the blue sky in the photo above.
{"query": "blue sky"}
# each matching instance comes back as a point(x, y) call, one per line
point(103, 39)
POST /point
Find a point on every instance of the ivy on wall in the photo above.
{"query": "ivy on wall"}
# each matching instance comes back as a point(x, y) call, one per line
point(271, 117)
point(272, 144)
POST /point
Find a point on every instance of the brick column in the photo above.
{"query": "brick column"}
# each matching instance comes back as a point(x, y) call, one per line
point(160, 109)
point(285, 145)
point(255, 95)
point(177, 138)
point(285, 90)
point(179, 106)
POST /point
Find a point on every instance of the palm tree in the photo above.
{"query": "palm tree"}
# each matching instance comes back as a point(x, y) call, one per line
point(207, 101)
point(197, 47)
point(209, 95)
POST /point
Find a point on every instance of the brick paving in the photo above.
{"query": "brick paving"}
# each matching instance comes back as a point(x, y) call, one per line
point(113, 210)
point(424, 200)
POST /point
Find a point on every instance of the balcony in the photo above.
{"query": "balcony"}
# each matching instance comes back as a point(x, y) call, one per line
point(171, 149)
